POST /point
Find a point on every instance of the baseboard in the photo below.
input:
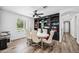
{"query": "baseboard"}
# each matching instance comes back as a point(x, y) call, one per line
point(17, 39)
point(66, 32)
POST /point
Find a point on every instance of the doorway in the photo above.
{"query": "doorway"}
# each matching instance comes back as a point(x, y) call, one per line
point(67, 27)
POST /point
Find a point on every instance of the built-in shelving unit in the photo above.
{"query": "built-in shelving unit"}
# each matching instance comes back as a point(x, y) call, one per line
point(36, 23)
point(51, 22)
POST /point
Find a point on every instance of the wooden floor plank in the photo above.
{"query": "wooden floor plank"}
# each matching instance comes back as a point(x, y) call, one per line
point(68, 45)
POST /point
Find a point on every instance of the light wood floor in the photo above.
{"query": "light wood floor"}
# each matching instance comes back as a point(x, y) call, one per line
point(68, 45)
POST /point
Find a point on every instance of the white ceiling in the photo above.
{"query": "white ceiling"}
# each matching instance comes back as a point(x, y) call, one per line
point(28, 10)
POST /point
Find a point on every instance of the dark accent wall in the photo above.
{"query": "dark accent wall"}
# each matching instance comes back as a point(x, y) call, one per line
point(51, 22)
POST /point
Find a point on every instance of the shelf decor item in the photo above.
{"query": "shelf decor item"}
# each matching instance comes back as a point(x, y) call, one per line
point(42, 24)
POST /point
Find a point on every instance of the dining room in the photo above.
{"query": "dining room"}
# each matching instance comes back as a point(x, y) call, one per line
point(39, 29)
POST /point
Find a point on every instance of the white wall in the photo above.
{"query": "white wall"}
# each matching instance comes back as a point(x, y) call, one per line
point(77, 28)
point(71, 18)
point(74, 24)
point(65, 17)
point(8, 23)
point(73, 27)
point(66, 27)
point(0, 20)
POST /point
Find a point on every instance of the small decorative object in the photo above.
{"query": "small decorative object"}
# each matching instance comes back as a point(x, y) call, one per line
point(42, 26)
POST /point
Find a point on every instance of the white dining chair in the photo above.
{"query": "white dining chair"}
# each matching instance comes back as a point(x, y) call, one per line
point(35, 39)
point(28, 37)
point(49, 40)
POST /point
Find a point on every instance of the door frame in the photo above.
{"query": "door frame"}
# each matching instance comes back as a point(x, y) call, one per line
point(69, 25)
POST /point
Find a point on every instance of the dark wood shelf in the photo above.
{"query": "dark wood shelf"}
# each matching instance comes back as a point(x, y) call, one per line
point(51, 22)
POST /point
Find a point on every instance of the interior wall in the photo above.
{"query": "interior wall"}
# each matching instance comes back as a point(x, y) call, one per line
point(63, 18)
point(67, 27)
point(8, 23)
point(77, 28)
point(0, 20)
point(73, 27)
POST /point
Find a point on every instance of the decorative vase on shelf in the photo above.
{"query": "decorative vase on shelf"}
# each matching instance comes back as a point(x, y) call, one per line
point(42, 26)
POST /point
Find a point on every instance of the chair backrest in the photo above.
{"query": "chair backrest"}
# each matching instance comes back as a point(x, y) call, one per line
point(45, 31)
point(34, 37)
point(51, 35)
point(39, 31)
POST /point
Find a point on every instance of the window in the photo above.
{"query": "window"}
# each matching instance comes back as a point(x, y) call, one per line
point(19, 24)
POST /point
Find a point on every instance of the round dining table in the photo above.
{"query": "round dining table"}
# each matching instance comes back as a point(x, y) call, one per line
point(42, 36)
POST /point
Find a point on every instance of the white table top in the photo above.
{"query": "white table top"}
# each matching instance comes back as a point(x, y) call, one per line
point(42, 35)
